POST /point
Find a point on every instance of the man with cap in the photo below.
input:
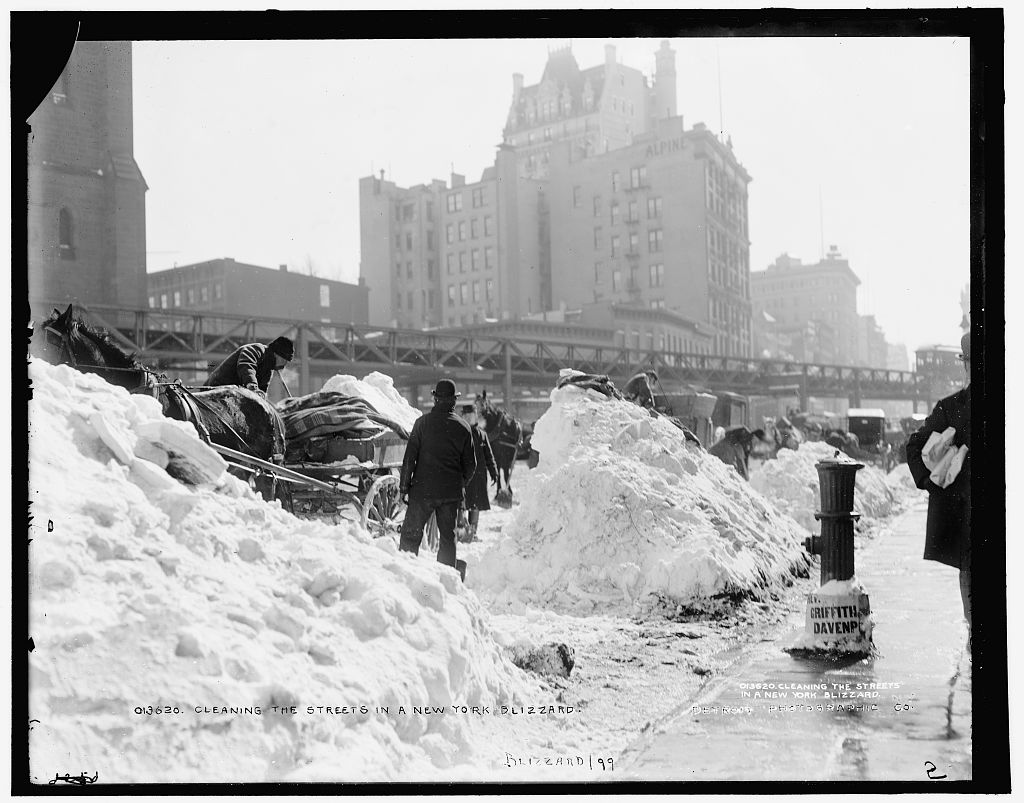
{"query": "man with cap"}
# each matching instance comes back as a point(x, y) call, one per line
point(639, 388)
point(439, 463)
point(250, 365)
point(948, 534)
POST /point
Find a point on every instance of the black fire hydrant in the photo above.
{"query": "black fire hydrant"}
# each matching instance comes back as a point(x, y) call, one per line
point(837, 480)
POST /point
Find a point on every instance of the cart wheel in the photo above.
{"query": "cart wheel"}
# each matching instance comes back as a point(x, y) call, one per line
point(383, 511)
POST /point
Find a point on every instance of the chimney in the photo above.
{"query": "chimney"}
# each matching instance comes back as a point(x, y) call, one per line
point(382, 174)
point(283, 268)
point(517, 84)
point(609, 54)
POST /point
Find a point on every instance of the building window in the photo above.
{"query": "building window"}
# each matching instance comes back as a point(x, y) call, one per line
point(597, 237)
point(204, 294)
point(488, 226)
point(408, 298)
point(657, 275)
point(616, 280)
point(464, 293)
point(474, 229)
point(547, 133)
point(408, 241)
point(462, 230)
point(634, 212)
point(450, 233)
point(476, 291)
point(177, 298)
point(398, 300)
point(408, 270)
point(489, 289)
point(597, 206)
point(653, 207)
point(462, 261)
point(615, 181)
point(398, 267)
point(408, 212)
point(430, 240)
point(152, 302)
point(577, 197)
point(66, 233)
point(638, 177)
point(478, 197)
point(634, 242)
point(450, 259)
point(430, 299)
point(451, 294)
point(488, 257)
point(654, 240)
point(398, 212)
point(615, 213)
point(598, 267)
point(430, 269)
point(455, 202)
point(475, 259)
point(430, 211)
point(190, 294)
point(615, 245)
point(398, 242)
point(163, 300)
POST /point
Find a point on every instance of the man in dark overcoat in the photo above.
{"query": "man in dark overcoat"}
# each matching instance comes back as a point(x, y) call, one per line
point(250, 366)
point(948, 535)
point(439, 462)
point(477, 498)
point(734, 449)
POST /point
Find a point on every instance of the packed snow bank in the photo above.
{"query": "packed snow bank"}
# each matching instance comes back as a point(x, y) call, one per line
point(901, 481)
point(619, 515)
point(173, 624)
point(379, 390)
point(791, 482)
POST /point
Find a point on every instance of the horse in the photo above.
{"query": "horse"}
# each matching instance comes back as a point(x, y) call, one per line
point(505, 434)
point(228, 416)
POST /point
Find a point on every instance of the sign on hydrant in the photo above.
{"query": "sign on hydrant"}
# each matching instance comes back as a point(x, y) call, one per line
point(838, 613)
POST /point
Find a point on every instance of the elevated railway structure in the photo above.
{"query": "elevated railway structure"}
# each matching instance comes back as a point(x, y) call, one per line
point(187, 343)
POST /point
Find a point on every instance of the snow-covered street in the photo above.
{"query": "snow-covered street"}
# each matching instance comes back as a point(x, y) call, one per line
point(197, 633)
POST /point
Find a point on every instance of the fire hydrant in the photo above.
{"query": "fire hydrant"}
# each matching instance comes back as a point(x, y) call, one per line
point(838, 614)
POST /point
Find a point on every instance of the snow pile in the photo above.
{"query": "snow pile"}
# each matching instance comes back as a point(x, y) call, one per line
point(620, 515)
point(175, 624)
point(901, 481)
point(791, 482)
point(379, 390)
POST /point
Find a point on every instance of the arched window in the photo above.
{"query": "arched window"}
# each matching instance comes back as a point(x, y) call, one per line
point(66, 232)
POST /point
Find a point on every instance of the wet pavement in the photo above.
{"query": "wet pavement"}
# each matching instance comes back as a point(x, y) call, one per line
point(902, 714)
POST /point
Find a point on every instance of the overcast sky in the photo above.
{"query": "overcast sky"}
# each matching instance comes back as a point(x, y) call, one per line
point(254, 150)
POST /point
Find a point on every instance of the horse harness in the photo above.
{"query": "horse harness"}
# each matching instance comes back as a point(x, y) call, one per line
point(65, 345)
point(190, 404)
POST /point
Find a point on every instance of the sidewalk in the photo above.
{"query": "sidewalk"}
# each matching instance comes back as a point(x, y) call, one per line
point(920, 728)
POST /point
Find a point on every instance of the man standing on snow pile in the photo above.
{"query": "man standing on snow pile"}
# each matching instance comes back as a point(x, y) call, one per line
point(439, 463)
point(734, 449)
point(250, 365)
point(639, 390)
point(939, 459)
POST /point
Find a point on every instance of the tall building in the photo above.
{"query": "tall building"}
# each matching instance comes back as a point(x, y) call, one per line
point(824, 292)
point(86, 194)
point(897, 358)
point(873, 350)
point(223, 285)
point(597, 194)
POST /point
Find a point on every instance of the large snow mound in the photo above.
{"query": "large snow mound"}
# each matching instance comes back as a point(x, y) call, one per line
point(149, 593)
point(379, 390)
point(791, 482)
point(619, 514)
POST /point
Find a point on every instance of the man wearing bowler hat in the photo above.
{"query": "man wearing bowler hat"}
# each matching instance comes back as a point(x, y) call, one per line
point(439, 463)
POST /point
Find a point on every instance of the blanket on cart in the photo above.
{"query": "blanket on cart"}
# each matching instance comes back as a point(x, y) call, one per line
point(320, 414)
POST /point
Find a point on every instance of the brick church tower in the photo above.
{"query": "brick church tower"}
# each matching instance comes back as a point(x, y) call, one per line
point(86, 195)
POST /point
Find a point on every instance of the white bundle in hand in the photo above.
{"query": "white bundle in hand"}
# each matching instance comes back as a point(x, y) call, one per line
point(942, 458)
